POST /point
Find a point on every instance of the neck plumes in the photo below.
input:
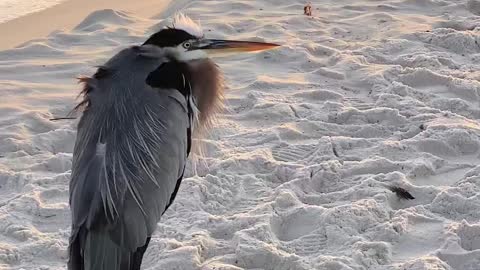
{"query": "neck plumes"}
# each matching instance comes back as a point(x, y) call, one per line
point(207, 83)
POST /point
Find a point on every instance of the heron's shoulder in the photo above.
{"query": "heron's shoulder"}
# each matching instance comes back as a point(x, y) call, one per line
point(127, 54)
point(133, 57)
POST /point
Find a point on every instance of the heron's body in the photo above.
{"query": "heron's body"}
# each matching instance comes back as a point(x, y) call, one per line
point(126, 170)
point(133, 141)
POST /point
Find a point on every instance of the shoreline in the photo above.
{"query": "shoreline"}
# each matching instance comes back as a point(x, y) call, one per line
point(67, 15)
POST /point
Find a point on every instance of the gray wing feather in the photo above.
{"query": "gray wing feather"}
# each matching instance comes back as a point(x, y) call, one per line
point(128, 155)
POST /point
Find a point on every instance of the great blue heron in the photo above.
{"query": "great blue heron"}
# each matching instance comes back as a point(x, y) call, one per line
point(139, 112)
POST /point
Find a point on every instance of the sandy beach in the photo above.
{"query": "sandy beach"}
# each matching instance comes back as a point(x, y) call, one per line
point(67, 15)
point(362, 96)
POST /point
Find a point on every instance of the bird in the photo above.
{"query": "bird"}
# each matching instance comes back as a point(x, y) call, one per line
point(139, 112)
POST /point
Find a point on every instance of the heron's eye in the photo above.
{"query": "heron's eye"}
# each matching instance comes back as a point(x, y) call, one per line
point(187, 45)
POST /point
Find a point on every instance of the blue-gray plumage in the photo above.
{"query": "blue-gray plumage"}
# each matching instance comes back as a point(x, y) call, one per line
point(140, 110)
point(124, 164)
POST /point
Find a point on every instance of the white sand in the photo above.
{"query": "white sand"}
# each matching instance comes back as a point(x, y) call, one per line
point(363, 95)
point(11, 9)
point(67, 15)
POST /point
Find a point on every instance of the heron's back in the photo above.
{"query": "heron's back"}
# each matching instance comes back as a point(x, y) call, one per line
point(129, 156)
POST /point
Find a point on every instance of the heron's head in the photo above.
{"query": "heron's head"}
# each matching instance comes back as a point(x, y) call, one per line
point(185, 41)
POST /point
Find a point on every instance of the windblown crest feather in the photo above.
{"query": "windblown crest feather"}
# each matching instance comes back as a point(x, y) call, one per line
point(183, 22)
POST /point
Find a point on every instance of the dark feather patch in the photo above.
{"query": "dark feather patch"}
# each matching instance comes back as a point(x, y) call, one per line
point(170, 75)
point(102, 72)
point(174, 194)
point(401, 193)
point(137, 256)
point(169, 37)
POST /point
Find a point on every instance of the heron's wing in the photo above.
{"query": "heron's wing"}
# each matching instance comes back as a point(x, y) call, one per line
point(128, 156)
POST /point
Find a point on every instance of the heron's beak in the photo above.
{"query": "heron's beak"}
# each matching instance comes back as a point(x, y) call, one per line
point(220, 45)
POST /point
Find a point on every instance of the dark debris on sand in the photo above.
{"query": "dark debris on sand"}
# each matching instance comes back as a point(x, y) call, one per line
point(401, 193)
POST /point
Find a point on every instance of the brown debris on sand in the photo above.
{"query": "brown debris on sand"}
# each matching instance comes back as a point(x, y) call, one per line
point(307, 9)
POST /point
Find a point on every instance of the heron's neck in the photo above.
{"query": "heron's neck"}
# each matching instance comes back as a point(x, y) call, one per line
point(207, 86)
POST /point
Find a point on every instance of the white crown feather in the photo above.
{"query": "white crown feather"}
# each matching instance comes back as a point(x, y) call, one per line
point(183, 22)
